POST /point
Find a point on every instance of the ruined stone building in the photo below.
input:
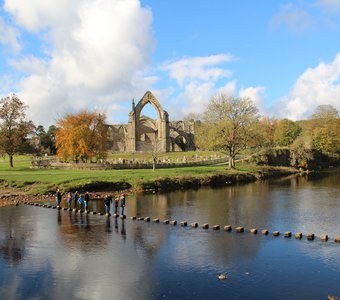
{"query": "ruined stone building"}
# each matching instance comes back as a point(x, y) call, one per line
point(144, 134)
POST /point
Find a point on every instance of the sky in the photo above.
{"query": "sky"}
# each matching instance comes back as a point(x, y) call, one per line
point(68, 55)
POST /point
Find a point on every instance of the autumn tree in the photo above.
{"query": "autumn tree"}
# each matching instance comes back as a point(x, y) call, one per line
point(14, 128)
point(325, 111)
point(301, 152)
point(286, 132)
point(265, 132)
point(82, 136)
point(325, 129)
point(230, 124)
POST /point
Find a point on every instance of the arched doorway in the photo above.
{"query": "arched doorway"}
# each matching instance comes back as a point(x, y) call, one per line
point(144, 132)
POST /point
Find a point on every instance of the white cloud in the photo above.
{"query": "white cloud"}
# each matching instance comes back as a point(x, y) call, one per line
point(9, 36)
point(257, 95)
point(200, 78)
point(30, 64)
point(35, 15)
point(229, 88)
point(195, 97)
point(198, 68)
point(294, 18)
point(316, 86)
point(97, 51)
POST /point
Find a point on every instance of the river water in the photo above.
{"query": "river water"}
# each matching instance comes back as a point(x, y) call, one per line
point(50, 254)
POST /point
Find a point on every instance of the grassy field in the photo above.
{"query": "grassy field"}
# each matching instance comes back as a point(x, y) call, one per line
point(43, 181)
point(39, 181)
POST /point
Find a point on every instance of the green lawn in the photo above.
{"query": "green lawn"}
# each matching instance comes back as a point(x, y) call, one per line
point(41, 180)
point(37, 181)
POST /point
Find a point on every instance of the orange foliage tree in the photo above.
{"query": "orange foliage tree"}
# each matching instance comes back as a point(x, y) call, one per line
point(82, 136)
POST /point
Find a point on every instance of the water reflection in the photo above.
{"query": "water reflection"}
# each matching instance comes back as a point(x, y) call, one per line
point(86, 256)
point(294, 204)
point(108, 224)
point(12, 239)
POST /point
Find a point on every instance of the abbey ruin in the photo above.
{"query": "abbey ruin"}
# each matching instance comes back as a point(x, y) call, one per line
point(144, 134)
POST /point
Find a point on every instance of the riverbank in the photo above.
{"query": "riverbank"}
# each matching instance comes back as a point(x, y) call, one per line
point(34, 186)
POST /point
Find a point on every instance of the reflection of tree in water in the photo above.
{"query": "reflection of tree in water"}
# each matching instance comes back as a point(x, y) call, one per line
point(15, 234)
point(306, 180)
point(324, 178)
point(144, 238)
point(150, 241)
point(12, 248)
point(236, 205)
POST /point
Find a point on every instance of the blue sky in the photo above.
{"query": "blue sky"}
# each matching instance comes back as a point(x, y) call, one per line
point(68, 55)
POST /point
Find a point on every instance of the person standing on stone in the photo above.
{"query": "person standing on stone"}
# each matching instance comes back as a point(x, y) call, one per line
point(75, 198)
point(69, 199)
point(122, 204)
point(87, 200)
point(107, 202)
point(58, 197)
point(116, 205)
point(80, 201)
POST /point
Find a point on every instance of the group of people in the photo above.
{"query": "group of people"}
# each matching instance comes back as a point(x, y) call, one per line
point(80, 199)
point(118, 201)
point(76, 198)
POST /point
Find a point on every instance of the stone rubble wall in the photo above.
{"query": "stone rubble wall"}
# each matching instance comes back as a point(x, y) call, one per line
point(129, 164)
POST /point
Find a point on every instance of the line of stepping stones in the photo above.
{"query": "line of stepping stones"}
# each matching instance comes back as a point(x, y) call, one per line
point(239, 229)
point(71, 209)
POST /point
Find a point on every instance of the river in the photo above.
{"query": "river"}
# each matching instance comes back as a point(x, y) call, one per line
point(50, 254)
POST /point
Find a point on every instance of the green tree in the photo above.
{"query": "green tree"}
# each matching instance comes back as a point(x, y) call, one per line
point(40, 130)
point(14, 128)
point(47, 140)
point(286, 132)
point(230, 124)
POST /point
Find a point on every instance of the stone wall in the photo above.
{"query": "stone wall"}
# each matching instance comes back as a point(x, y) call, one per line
point(130, 164)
